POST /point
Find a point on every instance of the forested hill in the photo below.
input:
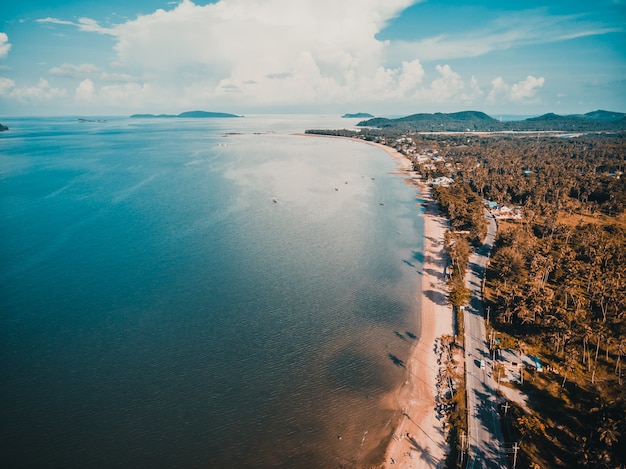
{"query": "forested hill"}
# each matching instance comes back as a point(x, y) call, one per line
point(476, 121)
point(188, 114)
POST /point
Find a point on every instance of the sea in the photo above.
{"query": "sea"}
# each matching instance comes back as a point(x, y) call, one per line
point(202, 293)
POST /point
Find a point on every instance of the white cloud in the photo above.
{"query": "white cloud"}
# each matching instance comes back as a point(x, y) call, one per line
point(448, 85)
point(526, 89)
point(238, 54)
point(5, 46)
point(518, 92)
point(55, 21)
point(85, 90)
point(69, 70)
point(279, 52)
point(82, 71)
point(6, 85)
point(41, 92)
point(515, 29)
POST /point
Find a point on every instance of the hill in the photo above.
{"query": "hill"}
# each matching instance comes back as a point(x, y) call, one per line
point(605, 115)
point(475, 121)
point(188, 114)
point(358, 115)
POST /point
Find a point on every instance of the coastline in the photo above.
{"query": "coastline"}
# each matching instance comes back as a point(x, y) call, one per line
point(419, 440)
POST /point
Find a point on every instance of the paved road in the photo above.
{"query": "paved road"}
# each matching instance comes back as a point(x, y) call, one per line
point(486, 446)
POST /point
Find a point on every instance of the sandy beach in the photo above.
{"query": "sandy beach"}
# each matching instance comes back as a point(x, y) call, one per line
point(419, 439)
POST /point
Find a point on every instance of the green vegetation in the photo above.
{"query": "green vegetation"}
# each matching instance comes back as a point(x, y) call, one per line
point(358, 115)
point(464, 209)
point(471, 121)
point(556, 286)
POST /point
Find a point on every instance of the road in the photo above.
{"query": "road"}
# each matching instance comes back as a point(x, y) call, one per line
point(486, 445)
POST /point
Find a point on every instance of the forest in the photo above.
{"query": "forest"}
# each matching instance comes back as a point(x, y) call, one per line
point(556, 286)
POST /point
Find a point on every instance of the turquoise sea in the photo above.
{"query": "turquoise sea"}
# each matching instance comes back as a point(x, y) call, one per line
point(212, 293)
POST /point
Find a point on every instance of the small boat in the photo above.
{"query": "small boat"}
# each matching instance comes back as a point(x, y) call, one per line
point(275, 200)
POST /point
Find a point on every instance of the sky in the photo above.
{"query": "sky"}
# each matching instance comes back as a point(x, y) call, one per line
point(385, 57)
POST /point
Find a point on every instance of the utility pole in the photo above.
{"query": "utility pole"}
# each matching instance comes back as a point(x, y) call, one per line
point(506, 407)
point(515, 448)
point(462, 448)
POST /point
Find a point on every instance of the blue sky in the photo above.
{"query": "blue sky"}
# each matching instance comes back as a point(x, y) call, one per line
point(320, 56)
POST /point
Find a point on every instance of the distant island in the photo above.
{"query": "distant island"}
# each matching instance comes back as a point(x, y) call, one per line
point(3, 127)
point(82, 120)
point(358, 115)
point(188, 114)
point(476, 121)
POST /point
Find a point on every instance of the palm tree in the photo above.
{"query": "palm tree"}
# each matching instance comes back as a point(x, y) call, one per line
point(585, 453)
point(608, 433)
point(570, 364)
point(586, 336)
point(620, 351)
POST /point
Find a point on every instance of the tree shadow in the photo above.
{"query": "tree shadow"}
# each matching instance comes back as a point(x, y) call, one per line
point(434, 273)
point(396, 361)
point(418, 256)
point(423, 453)
point(436, 297)
point(399, 335)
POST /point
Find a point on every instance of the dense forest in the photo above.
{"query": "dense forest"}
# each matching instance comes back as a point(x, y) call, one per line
point(557, 282)
point(556, 286)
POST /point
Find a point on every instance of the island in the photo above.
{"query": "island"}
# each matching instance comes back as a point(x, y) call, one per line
point(188, 114)
point(3, 127)
point(358, 115)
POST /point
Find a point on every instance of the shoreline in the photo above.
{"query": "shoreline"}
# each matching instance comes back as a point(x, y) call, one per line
point(419, 440)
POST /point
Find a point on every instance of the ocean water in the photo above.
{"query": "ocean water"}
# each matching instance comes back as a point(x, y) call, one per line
point(160, 309)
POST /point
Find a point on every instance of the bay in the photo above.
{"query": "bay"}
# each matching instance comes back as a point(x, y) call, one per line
point(201, 293)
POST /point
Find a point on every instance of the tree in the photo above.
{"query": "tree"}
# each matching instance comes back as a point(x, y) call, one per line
point(607, 432)
point(459, 295)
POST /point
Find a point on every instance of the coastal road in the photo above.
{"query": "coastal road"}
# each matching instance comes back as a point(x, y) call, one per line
point(486, 445)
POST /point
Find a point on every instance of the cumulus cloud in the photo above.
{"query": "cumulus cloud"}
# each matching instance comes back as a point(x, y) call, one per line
point(527, 88)
point(273, 52)
point(518, 92)
point(5, 46)
point(279, 53)
point(85, 90)
point(6, 85)
point(42, 91)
